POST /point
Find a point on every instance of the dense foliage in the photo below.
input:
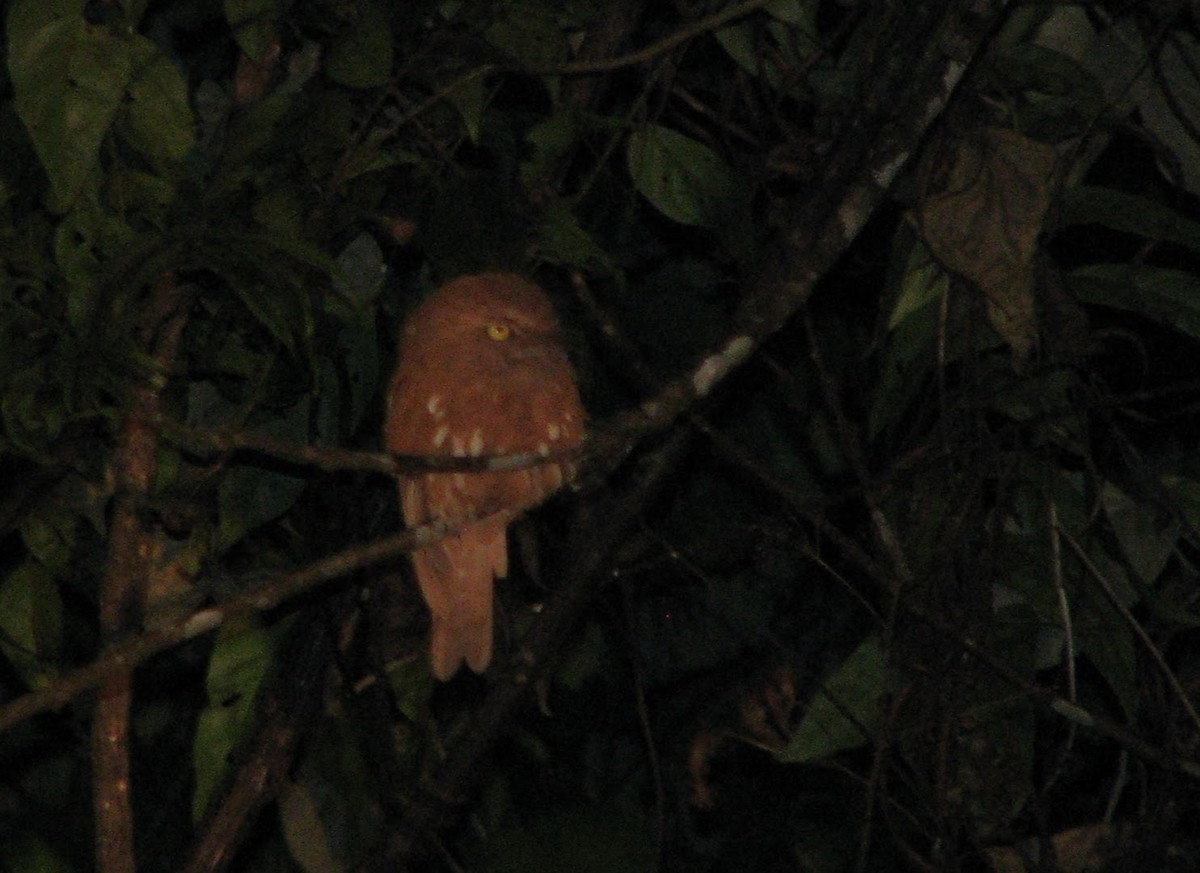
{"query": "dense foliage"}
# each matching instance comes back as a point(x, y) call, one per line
point(885, 552)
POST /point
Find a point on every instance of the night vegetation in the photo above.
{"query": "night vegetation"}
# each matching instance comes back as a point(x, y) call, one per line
point(884, 553)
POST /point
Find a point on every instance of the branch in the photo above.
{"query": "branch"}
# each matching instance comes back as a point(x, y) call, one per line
point(909, 87)
point(650, 52)
point(589, 66)
point(207, 443)
point(131, 650)
point(129, 551)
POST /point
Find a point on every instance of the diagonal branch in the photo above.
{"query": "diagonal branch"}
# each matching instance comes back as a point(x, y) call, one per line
point(288, 712)
point(909, 88)
point(132, 649)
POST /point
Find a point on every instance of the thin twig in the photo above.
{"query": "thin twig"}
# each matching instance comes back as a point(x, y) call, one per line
point(1064, 608)
point(650, 52)
point(1134, 625)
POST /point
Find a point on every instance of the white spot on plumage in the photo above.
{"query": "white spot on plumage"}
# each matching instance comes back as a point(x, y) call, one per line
point(439, 435)
point(434, 405)
point(553, 431)
point(543, 449)
point(476, 445)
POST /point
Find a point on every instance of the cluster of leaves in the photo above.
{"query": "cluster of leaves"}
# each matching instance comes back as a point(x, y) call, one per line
point(923, 584)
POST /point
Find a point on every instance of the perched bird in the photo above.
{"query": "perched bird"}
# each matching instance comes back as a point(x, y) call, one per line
point(482, 370)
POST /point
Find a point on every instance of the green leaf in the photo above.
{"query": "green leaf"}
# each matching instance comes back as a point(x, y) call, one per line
point(921, 287)
point(280, 210)
point(134, 9)
point(49, 534)
point(157, 119)
point(1104, 638)
point(68, 81)
point(328, 809)
point(1127, 213)
point(1147, 537)
point(1167, 109)
point(913, 324)
point(128, 190)
point(1170, 297)
point(550, 142)
point(357, 360)
point(801, 13)
point(250, 496)
point(305, 830)
point(360, 270)
point(31, 621)
point(1030, 399)
point(738, 40)
point(267, 273)
point(255, 24)
point(849, 709)
point(1060, 92)
point(89, 243)
point(275, 309)
point(684, 179)
point(32, 416)
point(785, 40)
point(109, 78)
point(1185, 491)
point(528, 31)
point(562, 240)
point(250, 133)
point(361, 56)
point(33, 853)
point(327, 402)
point(242, 654)
point(470, 99)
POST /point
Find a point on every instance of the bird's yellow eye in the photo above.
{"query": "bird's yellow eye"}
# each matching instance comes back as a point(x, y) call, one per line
point(498, 332)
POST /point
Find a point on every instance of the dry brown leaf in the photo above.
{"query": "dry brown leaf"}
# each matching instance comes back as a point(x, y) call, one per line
point(1090, 847)
point(981, 211)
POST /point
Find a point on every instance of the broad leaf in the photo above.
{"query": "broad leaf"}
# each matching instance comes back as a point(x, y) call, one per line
point(241, 658)
point(68, 80)
point(31, 621)
point(361, 56)
point(1170, 297)
point(847, 711)
point(684, 179)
